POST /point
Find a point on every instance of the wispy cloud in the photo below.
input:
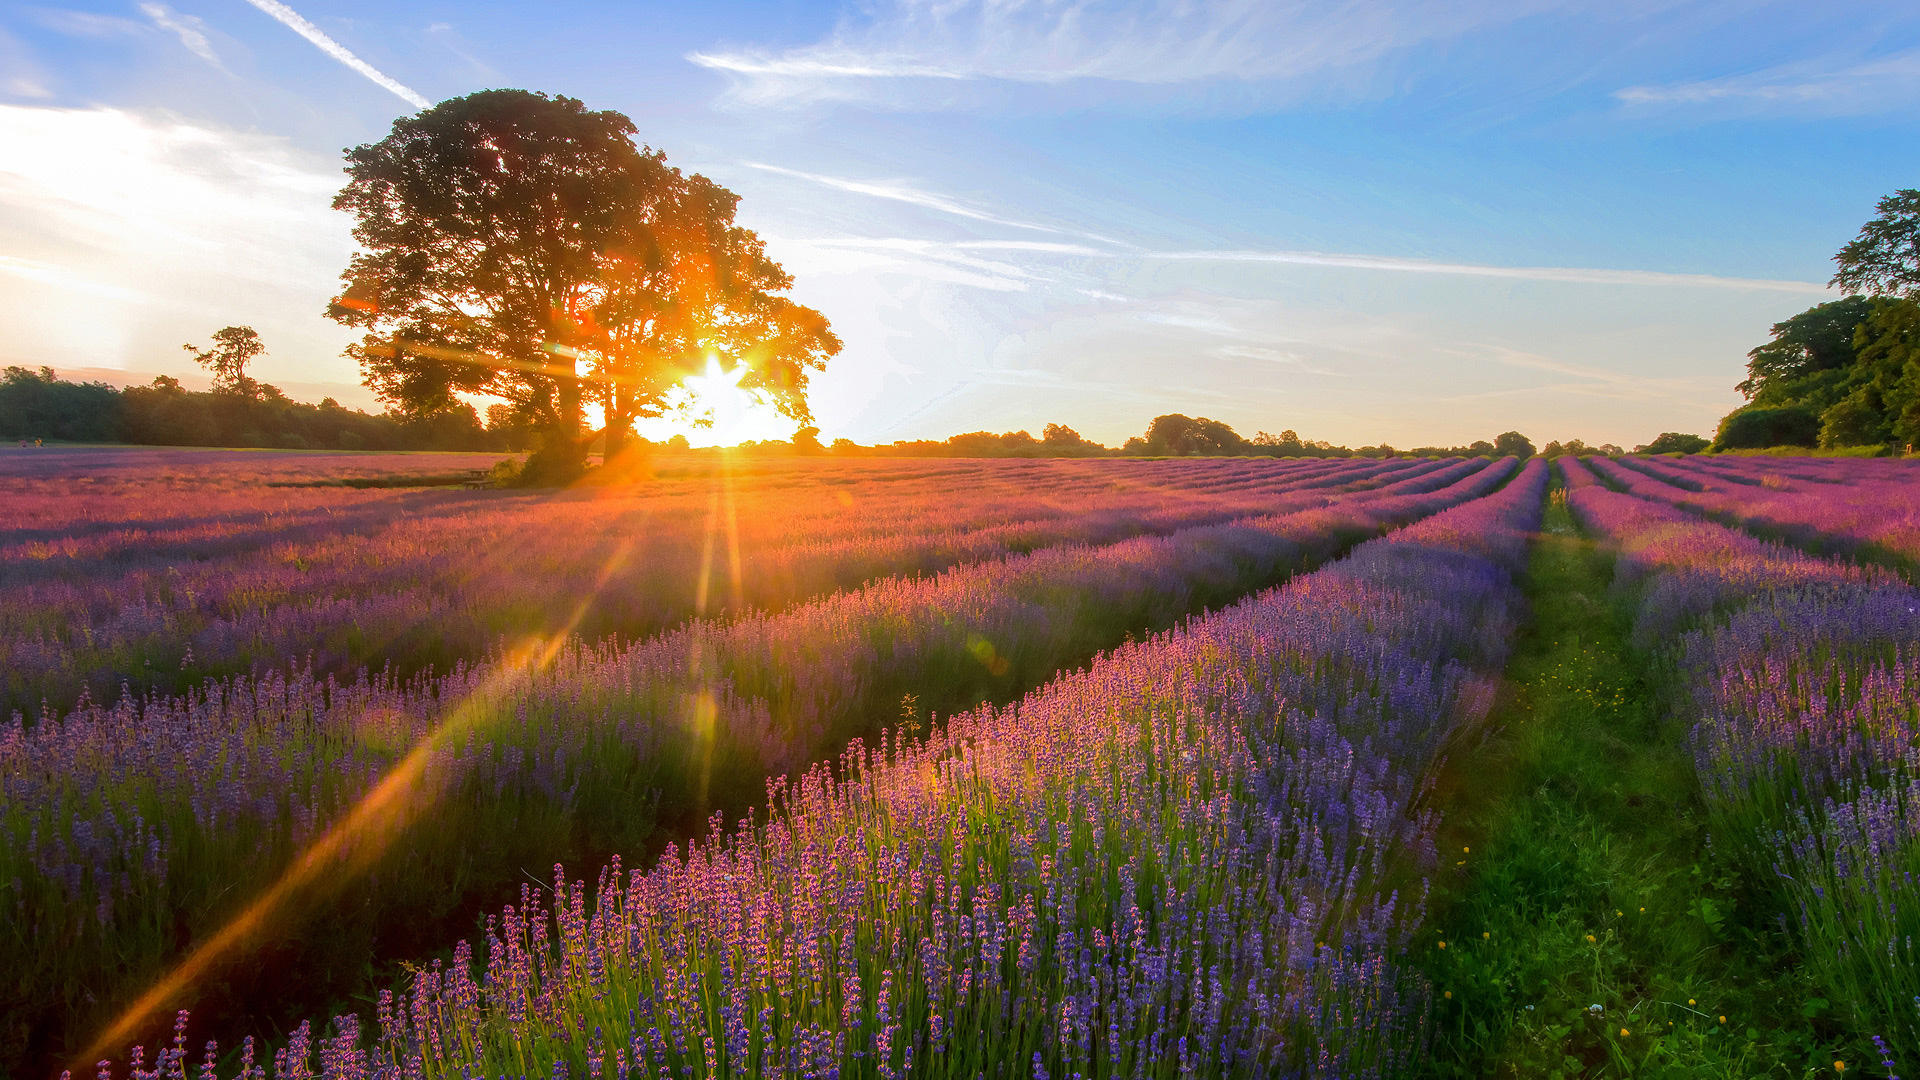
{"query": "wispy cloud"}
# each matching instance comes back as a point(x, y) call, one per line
point(293, 21)
point(931, 260)
point(899, 192)
point(1569, 274)
point(1143, 42)
point(1686, 392)
point(125, 234)
point(1874, 85)
point(189, 29)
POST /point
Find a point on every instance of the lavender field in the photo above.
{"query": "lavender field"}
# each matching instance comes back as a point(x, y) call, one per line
point(319, 767)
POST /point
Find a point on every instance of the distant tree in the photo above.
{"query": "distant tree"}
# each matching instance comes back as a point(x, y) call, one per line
point(1570, 448)
point(1884, 259)
point(1482, 448)
point(1061, 440)
point(807, 441)
point(1513, 444)
point(1669, 442)
point(234, 347)
point(1178, 434)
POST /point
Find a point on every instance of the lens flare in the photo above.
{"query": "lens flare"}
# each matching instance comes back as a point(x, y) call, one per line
point(355, 841)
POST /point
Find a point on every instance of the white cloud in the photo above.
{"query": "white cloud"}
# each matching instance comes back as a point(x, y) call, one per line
point(293, 21)
point(189, 29)
point(899, 192)
point(1569, 274)
point(125, 234)
point(1828, 87)
point(1145, 42)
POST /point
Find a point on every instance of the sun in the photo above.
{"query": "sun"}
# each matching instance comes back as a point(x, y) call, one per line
point(711, 409)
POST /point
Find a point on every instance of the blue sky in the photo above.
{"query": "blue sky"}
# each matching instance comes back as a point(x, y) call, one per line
point(1412, 222)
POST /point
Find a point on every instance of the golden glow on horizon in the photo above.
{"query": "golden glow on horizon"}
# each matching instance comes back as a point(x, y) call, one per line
point(711, 409)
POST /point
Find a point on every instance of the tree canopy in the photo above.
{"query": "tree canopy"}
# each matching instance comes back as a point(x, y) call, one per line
point(522, 246)
point(1811, 350)
point(1884, 260)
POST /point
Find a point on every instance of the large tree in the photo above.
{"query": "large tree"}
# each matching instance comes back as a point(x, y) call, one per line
point(522, 246)
point(482, 223)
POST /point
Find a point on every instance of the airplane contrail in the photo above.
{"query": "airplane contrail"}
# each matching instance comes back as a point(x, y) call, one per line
point(293, 21)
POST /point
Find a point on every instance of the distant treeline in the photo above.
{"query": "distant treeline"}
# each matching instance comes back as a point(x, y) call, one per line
point(1172, 435)
point(40, 405)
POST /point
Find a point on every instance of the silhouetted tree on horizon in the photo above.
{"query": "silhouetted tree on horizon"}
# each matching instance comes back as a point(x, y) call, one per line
point(234, 347)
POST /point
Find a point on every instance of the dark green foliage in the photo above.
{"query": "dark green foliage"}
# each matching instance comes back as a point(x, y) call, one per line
point(1579, 447)
point(1808, 357)
point(1755, 428)
point(37, 405)
point(1674, 442)
point(460, 287)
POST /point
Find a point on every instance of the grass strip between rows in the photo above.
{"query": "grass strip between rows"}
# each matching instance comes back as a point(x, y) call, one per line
point(1591, 926)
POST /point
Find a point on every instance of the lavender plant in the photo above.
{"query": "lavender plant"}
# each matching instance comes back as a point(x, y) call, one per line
point(133, 832)
point(160, 582)
point(1803, 672)
point(1202, 855)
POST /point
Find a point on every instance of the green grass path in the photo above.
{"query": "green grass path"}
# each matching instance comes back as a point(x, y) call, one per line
point(1582, 924)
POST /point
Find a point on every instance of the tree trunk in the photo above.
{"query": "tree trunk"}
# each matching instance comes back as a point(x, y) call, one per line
point(572, 408)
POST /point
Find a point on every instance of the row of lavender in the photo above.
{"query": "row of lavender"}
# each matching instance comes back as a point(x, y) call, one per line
point(130, 833)
point(1202, 856)
point(1858, 508)
point(1803, 673)
point(108, 584)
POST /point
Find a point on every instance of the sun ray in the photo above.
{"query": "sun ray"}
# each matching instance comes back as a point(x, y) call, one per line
point(359, 837)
